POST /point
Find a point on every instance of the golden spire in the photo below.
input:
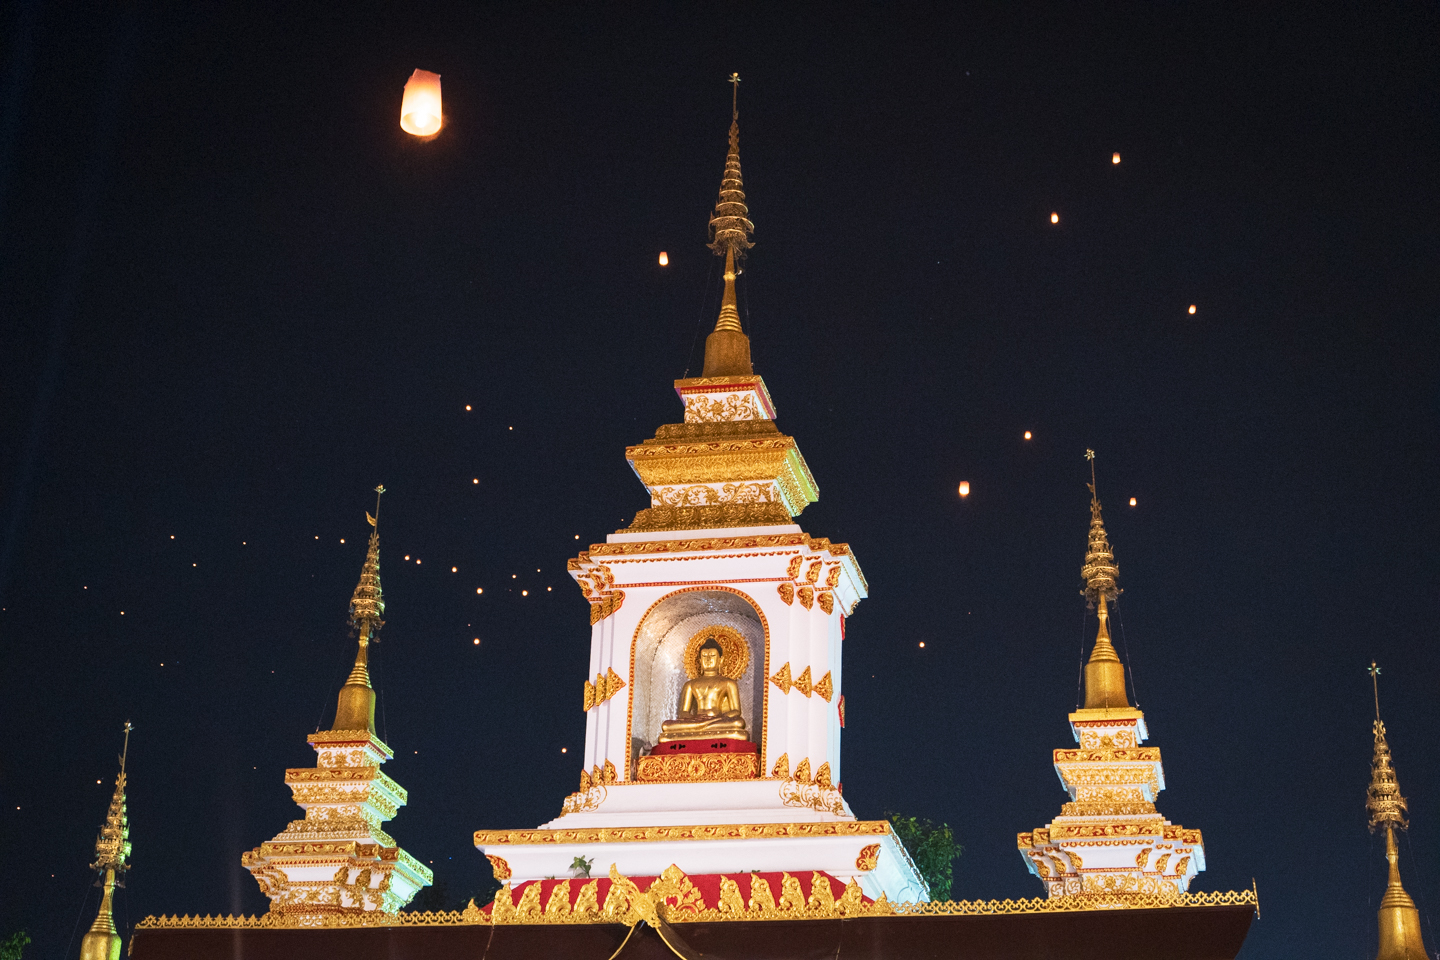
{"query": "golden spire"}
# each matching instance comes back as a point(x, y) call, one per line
point(1399, 920)
point(727, 349)
point(112, 849)
point(356, 707)
point(1104, 673)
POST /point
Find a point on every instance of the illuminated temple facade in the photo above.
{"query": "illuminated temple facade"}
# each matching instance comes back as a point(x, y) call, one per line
point(1109, 840)
point(734, 766)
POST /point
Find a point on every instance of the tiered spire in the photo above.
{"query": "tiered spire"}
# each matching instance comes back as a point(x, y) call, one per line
point(356, 707)
point(1399, 919)
point(339, 859)
point(112, 850)
point(727, 349)
point(1104, 674)
point(1109, 842)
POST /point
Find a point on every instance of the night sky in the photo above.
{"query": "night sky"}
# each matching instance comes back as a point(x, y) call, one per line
point(234, 297)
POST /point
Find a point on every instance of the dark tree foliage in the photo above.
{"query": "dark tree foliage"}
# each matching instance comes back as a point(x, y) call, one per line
point(933, 848)
point(13, 946)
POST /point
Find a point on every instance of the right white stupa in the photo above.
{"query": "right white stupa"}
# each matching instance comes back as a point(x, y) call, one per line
point(1109, 841)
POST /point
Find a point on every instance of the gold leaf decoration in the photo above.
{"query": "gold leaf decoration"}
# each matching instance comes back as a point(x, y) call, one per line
point(782, 678)
point(802, 682)
point(869, 857)
point(782, 767)
point(787, 593)
point(826, 687)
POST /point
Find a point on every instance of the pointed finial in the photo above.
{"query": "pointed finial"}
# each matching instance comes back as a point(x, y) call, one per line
point(356, 707)
point(1100, 571)
point(1400, 937)
point(727, 349)
point(112, 850)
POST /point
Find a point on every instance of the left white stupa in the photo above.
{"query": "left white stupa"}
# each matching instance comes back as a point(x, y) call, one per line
point(338, 860)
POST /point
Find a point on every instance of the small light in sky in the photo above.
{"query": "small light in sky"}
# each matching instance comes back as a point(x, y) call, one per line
point(922, 644)
point(537, 569)
point(524, 593)
point(1132, 501)
point(476, 480)
point(172, 536)
point(514, 576)
point(664, 262)
point(420, 107)
point(97, 781)
point(479, 589)
point(964, 488)
point(1116, 157)
point(1027, 434)
point(510, 428)
point(1054, 218)
point(549, 589)
point(467, 406)
point(577, 536)
point(1192, 308)
point(477, 641)
point(417, 560)
point(563, 750)
point(454, 569)
point(193, 564)
point(407, 556)
point(342, 539)
point(122, 613)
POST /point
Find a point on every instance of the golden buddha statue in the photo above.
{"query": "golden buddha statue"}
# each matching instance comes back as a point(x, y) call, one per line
point(709, 703)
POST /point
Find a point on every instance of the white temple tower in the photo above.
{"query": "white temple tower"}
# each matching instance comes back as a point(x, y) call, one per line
point(717, 559)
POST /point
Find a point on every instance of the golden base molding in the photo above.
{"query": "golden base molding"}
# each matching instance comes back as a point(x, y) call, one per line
point(682, 768)
point(710, 516)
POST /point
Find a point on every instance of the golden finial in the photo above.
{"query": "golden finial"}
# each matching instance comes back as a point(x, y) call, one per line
point(112, 850)
point(1399, 920)
point(356, 707)
point(1104, 673)
point(727, 349)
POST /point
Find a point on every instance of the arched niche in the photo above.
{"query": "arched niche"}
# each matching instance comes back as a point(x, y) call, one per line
point(657, 672)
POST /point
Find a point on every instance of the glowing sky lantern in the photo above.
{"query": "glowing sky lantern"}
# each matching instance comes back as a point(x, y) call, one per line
point(420, 109)
point(1054, 218)
point(1192, 308)
point(964, 488)
point(664, 259)
point(1027, 434)
point(1116, 157)
point(1132, 501)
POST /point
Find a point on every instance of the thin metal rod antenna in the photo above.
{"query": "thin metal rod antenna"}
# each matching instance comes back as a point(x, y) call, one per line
point(734, 96)
point(125, 750)
point(1375, 683)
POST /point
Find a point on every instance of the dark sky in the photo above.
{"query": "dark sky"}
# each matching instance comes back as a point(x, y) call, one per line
point(235, 297)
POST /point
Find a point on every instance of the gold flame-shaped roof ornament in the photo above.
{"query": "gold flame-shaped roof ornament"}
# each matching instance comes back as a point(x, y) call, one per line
point(727, 349)
point(1100, 571)
point(1104, 673)
point(112, 853)
point(355, 709)
point(1399, 919)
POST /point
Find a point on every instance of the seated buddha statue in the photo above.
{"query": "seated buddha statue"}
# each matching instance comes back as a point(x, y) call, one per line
point(709, 704)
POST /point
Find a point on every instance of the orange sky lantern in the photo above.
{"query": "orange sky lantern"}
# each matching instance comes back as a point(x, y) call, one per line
point(1054, 218)
point(964, 488)
point(664, 259)
point(420, 109)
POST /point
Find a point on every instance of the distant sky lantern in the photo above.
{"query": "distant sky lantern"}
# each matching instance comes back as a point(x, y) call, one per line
point(1027, 434)
point(664, 259)
point(1054, 218)
point(1192, 308)
point(420, 109)
point(964, 488)
point(1116, 157)
point(1132, 501)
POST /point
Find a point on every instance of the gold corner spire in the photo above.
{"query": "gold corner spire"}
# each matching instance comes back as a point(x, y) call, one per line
point(1104, 673)
point(727, 349)
point(1399, 919)
point(355, 709)
point(112, 850)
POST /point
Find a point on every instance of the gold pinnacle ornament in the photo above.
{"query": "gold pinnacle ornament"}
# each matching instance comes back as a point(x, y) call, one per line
point(355, 709)
point(727, 349)
point(112, 850)
point(1104, 673)
point(1399, 919)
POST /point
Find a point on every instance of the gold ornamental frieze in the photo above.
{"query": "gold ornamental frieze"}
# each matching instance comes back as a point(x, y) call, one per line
point(697, 768)
point(728, 831)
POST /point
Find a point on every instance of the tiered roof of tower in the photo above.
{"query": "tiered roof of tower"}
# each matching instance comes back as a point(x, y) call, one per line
point(1109, 841)
point(727, 465)
point(1400, 937)
point(337, 859)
